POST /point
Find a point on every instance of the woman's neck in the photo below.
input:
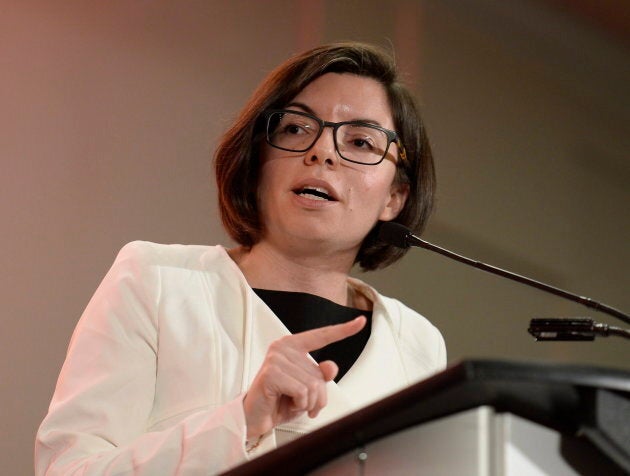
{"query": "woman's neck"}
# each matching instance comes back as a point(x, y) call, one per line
point(266, 267)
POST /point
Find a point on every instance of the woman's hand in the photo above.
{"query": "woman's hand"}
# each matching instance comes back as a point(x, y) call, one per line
point(289, 383)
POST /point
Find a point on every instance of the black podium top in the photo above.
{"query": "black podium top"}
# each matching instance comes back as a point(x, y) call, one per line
point(592, 402)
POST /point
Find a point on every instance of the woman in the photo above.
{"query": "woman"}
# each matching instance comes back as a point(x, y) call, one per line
point(192, 359)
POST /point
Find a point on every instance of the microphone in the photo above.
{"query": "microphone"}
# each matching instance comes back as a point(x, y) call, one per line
point(572, 329)
point(400, 236)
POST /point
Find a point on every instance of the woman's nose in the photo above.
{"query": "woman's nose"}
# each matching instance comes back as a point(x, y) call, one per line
point(323, 150)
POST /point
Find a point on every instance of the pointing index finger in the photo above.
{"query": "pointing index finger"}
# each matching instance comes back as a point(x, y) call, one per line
point(322, 336)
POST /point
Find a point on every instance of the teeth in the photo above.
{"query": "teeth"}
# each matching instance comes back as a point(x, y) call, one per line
point(317, 189)
point(312, 196)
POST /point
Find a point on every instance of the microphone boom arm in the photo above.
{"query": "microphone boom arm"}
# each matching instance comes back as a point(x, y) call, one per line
point(412, 240)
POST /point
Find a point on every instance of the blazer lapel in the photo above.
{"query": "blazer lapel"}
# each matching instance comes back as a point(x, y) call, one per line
point(379, 371)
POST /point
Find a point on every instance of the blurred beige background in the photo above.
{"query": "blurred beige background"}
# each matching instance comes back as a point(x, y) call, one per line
point(109, 112)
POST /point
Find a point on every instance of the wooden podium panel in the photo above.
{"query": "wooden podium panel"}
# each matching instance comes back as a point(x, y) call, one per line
point(457, 444)
point(478, 417)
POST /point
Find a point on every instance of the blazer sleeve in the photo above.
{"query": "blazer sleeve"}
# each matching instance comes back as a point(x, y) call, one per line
point(98, 417)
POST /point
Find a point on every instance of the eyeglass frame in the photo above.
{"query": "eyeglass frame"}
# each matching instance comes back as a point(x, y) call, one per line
point(392, 136)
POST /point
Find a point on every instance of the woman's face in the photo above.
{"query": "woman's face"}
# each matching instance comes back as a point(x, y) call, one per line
point(359, 195)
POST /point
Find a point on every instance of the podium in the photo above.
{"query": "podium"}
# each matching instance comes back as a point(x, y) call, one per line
point(478, 417)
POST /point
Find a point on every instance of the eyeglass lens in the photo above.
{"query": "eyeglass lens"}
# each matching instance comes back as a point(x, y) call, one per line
point(355, 142)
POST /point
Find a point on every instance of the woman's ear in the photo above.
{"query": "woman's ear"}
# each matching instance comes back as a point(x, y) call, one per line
point(396, 201)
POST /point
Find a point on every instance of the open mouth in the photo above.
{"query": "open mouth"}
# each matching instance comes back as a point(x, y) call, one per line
point(314, 193)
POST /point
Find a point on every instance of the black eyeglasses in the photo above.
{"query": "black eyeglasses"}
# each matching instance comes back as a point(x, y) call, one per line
point(355, 141)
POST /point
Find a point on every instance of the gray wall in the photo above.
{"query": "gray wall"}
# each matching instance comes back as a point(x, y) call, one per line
point(110, 112)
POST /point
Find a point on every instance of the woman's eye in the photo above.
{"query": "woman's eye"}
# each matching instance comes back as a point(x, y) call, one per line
point(362, 143)
point(294, 129)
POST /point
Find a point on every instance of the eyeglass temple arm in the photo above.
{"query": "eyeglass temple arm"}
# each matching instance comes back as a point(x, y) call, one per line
point(401, 149)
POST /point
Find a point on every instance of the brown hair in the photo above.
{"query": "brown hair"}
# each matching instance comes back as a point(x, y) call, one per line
point(237, 163)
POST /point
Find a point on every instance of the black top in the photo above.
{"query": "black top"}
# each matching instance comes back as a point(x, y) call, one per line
point(301, 312)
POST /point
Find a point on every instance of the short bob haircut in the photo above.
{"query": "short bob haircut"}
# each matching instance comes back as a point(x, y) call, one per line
point(237, 161)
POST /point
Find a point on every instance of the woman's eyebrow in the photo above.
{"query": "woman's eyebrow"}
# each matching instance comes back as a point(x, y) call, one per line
point(302, 106)
point(307, 109)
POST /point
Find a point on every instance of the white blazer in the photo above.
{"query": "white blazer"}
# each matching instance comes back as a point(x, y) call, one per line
point(161, 358)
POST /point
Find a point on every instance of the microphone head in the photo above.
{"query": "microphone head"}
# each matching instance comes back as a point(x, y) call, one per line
point(394, 234)
point(562, 329)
